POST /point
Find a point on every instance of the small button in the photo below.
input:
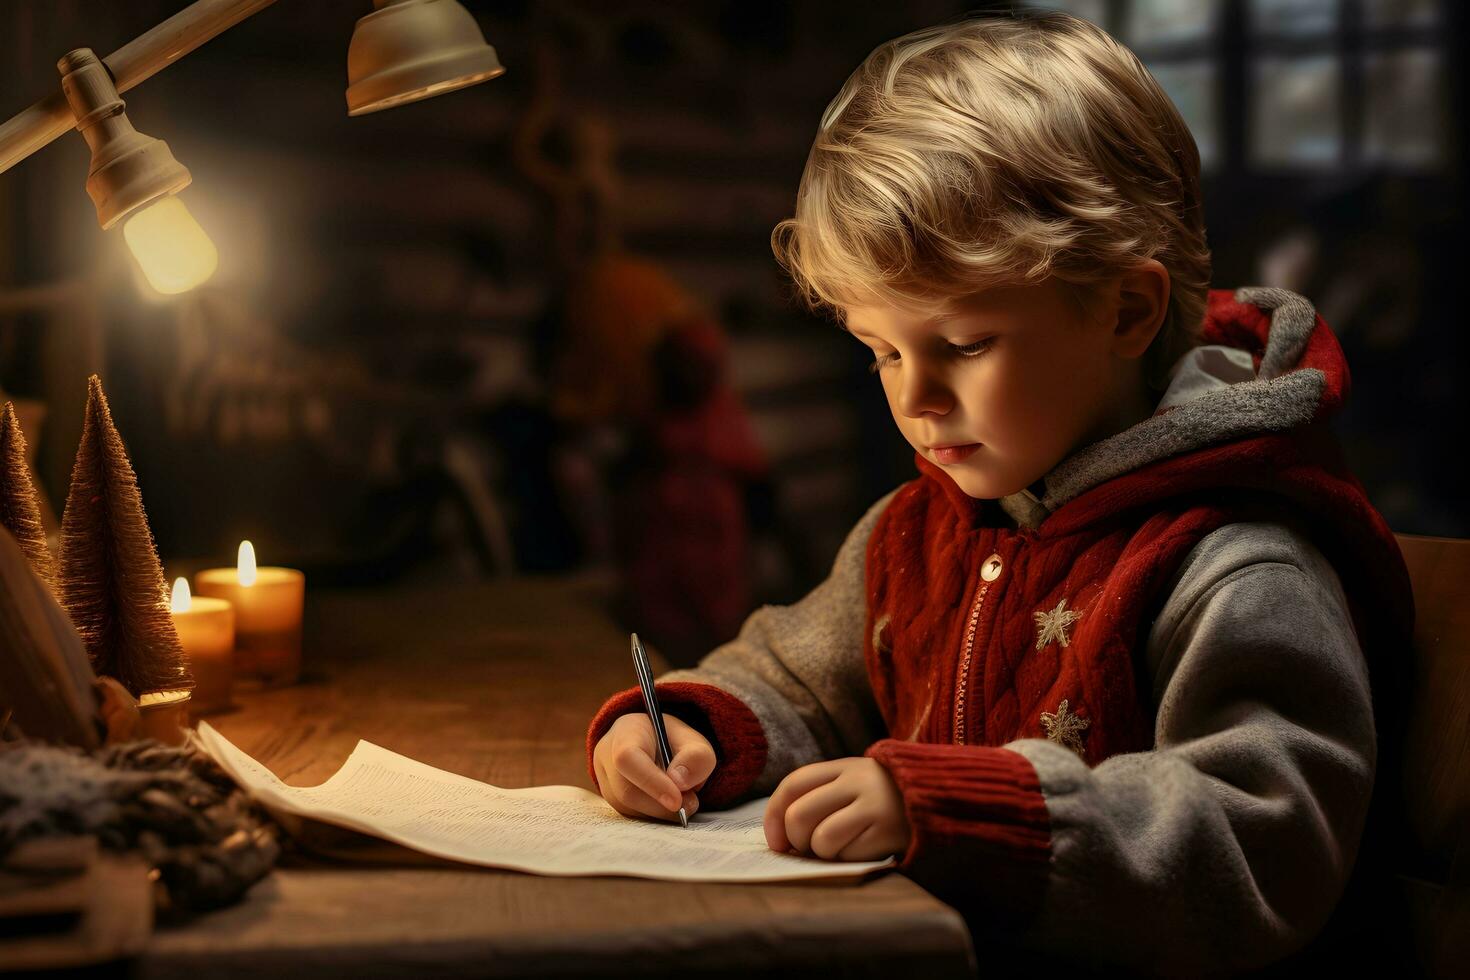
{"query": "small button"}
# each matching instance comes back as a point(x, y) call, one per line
point(990, 571)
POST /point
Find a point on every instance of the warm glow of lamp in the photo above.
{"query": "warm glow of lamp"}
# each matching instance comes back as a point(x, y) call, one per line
point(173, 251)
point(405, 50)
point(245, 564)
point(181, 599)
point(134, 179)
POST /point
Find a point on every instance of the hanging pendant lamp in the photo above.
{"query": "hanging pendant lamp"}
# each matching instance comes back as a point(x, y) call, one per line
point(407, 50)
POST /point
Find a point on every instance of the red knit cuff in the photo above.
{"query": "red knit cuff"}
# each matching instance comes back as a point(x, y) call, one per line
point(981, 833)
point(731, 728)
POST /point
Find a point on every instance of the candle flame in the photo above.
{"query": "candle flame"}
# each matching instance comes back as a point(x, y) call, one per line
point(245, 569)
point(181, 599)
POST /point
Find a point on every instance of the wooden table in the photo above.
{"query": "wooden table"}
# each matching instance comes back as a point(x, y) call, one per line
point(498, 681)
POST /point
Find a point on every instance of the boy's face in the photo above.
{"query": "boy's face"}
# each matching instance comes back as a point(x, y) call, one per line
point(1016, 378)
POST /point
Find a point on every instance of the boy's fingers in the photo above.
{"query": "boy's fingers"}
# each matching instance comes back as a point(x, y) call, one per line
point(602, 786)
point(641, 803)
point(868, 846)
point(836, 835)
point(694, 757)
point(635, 765)
point(793, 787)
point(802, 781)
point(810, 811)
point(631, 801)
point(690, 768)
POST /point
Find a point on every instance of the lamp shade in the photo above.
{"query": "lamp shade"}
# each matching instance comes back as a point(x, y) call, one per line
point(407, 50)
point(128, 169)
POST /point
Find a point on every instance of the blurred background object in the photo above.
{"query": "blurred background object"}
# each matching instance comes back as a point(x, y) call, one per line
point(656, 451)
point(368, 385)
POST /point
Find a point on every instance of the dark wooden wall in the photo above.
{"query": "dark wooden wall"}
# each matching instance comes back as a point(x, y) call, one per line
point(382, 278)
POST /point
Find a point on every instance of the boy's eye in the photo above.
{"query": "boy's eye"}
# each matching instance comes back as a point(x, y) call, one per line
point(972, 350)
point(962, 350)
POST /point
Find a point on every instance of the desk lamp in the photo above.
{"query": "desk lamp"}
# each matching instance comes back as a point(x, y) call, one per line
point(405, 50)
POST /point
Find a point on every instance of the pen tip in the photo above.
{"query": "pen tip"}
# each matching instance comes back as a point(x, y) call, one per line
point(683, 817)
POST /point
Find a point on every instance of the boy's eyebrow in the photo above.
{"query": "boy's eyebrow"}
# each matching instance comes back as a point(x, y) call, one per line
point(936, 318)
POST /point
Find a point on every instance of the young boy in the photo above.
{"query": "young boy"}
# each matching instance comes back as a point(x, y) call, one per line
point(1098, 674)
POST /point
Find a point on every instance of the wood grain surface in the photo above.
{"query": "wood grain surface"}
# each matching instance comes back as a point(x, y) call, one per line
point(497, 681)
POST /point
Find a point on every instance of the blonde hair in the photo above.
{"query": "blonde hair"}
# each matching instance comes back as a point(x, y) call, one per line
point(1000, 151)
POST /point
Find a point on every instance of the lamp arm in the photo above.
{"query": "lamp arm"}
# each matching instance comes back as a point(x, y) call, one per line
point(134, 62)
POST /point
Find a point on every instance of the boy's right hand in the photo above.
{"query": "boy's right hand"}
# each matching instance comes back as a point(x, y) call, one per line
point(628, 773)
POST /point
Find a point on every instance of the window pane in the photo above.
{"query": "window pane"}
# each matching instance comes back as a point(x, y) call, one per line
point(1191, 86)
point(1293, 16)
point(1404, 109)
point(1400, 13)
point(1294, 111)
point(1170, 21)
point(1093, 10)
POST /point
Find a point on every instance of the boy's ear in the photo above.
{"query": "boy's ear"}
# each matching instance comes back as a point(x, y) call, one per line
point(1143, 302)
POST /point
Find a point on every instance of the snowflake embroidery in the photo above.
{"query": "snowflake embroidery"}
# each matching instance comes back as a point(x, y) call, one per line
point(1053, 625)
point(1065, 728)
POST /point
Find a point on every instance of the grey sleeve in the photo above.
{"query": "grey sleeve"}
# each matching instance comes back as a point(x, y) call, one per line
point(800, 668)
point(1228, 844)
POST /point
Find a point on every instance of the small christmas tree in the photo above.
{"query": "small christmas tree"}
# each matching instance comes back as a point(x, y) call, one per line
point(109, 578)
point(20, 508)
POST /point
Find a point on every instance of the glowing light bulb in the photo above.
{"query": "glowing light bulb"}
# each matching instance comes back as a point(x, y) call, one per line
point(173, 251)
point(181, 600)
point(245, 564)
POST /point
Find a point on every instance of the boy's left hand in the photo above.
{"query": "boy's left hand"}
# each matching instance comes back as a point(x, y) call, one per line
point(841, 810)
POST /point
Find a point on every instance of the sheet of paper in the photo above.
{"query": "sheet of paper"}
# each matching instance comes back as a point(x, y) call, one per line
point(549, 830)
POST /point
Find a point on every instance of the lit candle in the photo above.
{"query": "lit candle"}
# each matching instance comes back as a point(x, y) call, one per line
point(206, 628)
point(268, 602)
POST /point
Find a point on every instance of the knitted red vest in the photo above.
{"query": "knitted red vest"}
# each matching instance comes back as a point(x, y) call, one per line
point(1016, 633)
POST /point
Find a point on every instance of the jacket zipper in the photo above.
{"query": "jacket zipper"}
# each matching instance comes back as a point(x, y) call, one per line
point(959, 701)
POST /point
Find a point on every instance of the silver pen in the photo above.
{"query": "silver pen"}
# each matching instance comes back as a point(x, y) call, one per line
point(650, 701)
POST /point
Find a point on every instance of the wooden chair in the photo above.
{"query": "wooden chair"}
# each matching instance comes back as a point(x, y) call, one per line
point(1410, 914)
point(1437, 754)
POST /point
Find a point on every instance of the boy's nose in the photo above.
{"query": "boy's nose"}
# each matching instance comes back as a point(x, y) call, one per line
point(921, 393)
